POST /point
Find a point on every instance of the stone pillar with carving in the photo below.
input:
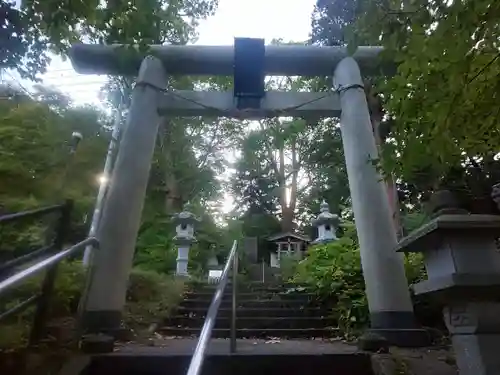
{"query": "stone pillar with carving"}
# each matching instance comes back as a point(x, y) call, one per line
point(185, 223)
point(463, 269)
point(327, 224)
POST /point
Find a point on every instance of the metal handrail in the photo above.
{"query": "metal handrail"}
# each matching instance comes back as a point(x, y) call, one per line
point(206, 332)
point(23, 259)
point(42, 265)
point(31, 213)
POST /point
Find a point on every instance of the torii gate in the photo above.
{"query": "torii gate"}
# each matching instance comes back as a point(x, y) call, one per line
point(249, 61)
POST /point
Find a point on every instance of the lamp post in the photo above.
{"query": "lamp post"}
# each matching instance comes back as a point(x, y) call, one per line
point(104, 183)
point(76, 138)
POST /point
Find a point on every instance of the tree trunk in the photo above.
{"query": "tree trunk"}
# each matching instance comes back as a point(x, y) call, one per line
point(287, 220)
point(295, 175)
point(376, 115)
point(286, 214)
point(173, 197)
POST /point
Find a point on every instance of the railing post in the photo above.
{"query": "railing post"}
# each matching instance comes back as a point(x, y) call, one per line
point(42, 309)
point(232, 347)
point(263, 272)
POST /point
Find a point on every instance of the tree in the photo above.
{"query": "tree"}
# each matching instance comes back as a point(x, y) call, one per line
point(29, 35)
point(190, 156)
point(324, 165)
point(441, 129)
point(441, 100)
point(35, 166)
point(331, 20)
point(273, 150)
point(34, 148)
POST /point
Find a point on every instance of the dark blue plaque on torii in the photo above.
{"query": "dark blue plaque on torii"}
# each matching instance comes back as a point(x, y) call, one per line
point(249, 55)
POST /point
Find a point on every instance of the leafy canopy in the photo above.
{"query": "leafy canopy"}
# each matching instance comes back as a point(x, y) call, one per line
point(442, 96)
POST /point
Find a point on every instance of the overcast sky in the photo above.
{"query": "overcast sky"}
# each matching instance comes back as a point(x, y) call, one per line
point(268, 19)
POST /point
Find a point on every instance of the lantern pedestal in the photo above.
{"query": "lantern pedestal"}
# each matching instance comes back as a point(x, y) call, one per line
point(463, 268)
point(182, 260)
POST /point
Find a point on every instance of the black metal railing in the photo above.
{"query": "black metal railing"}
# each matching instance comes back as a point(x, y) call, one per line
point(60, 226)
point(45, 258)
point(206, 332)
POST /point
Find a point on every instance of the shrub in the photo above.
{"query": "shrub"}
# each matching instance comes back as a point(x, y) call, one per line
point(64, 302)
point(288, 266)
point(334, 273)
point(150, 296)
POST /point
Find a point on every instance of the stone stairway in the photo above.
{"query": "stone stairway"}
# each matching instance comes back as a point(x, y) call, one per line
point(253, 357)
point(262, 311)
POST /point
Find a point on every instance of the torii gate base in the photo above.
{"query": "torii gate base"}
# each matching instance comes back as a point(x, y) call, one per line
point(391, 310)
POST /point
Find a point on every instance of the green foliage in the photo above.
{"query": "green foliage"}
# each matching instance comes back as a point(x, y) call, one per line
point(437, 97)
point(441, 99)
point(64, 302)
point(150, 296)
point(38, 26)
point(333, 271)
point(36, 168)
point(155, 249)
point(435, 131)
point(288, 266)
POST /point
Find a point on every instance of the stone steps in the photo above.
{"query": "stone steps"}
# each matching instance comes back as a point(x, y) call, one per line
point(242, 312)
point(263, 322)
point(255, 287)
point(249, 333)
point(245, 296)
point(252, 357)
point(270, 311)
point(256, 303)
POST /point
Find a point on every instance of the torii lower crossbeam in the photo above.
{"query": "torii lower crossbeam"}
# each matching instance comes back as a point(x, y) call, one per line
point(274, 104)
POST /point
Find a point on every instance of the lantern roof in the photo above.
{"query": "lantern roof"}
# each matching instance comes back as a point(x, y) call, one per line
point(325, 216)
point(185, 217)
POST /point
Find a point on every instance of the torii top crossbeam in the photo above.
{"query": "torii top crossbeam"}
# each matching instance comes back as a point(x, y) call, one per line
point(279, 60)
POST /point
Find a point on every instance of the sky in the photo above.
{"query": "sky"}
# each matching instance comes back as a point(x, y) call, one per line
point(268, 19)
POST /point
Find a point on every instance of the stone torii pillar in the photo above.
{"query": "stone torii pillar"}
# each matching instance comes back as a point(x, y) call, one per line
point(391, 309)
point(117, 234)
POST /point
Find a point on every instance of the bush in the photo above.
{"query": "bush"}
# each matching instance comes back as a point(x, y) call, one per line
point(67, 291)
point(288, 267)
point(334, 273)
point(150, 296)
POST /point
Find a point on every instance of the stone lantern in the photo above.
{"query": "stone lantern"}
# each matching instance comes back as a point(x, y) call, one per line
point(463, 274)
point(185, 223)
point(327, 224)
